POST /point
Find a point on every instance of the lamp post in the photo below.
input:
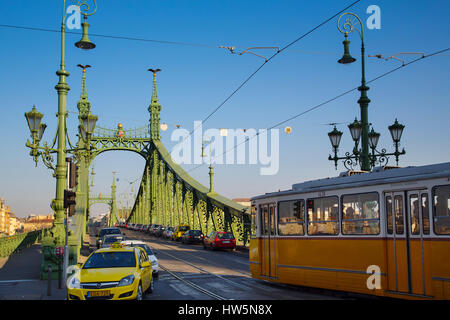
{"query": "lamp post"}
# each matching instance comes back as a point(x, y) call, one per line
point(211, 168)
point(57, 232)
point(359, 130)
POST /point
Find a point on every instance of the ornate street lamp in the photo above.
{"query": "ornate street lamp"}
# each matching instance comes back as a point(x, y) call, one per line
point(57, 235)
point(211, 168)
point(360, 129)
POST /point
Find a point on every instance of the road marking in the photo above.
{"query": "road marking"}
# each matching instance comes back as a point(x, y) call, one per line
point(22, 280)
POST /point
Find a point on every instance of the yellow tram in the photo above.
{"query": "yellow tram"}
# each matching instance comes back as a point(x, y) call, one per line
point(384, 233)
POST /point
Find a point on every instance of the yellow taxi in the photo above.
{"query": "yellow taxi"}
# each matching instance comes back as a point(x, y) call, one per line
point(179, 231)
point(115, 273)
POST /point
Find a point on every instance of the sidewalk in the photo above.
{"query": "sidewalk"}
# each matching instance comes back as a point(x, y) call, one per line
point(19, 277)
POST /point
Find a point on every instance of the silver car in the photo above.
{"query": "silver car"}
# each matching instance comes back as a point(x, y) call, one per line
point(109, 239)
point(151, 254)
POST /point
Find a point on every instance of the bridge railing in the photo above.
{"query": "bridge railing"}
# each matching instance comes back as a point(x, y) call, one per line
point(15, 243)
point(168, 195)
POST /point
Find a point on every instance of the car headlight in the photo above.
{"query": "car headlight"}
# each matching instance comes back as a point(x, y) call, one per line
point(74, 283)
point(126, 281)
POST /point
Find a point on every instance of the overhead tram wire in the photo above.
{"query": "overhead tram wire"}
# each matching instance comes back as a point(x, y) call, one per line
point(265, 62)
point(113, 37)
point(328, 101)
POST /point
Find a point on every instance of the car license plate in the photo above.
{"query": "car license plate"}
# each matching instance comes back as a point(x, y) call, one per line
point(99, 293)
point(226, 242)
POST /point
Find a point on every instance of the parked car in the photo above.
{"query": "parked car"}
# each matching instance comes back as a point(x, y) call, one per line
point(159, 231)
point(179, 230)
point(192, 236)
point(153, 229)
point(109, 239)
point(105, 231)
point(167, 234)
point(219, 240)
point(151, 254)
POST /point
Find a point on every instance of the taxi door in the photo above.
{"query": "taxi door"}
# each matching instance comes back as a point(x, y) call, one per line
point(146, 272)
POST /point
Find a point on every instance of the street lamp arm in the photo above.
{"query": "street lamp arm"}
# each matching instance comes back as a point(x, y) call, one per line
point(85, 8)
point(348, 25)
point(47, 160)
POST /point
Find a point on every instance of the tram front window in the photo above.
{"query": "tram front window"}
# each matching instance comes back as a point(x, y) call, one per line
point(323, 216)
point(360, 214)
point(291, 217)
point(441, 210)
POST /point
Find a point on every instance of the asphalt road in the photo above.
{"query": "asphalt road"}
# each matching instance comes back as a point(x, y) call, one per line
point(188, 272)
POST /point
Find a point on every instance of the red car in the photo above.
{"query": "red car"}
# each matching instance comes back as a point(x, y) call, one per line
point(219, 240)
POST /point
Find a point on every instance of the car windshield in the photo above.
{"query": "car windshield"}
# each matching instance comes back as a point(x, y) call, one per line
point(113, 239)
point(196, 232)
point(109, 231)
point(145, 247)
point(184, 228)
point(169, 229)
point(111, 260)
point(225, 236)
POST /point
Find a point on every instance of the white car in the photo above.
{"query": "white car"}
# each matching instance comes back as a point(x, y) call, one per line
point(151, 254)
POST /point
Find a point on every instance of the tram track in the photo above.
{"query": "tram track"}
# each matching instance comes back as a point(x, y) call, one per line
point(193, 285)
point(183, 279)
point(267, 289)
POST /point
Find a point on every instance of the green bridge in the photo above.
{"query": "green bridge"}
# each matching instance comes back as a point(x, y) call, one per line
point(167, 194)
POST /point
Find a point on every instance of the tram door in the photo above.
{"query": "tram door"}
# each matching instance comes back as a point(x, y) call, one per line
point(268, 263)
point(405, 255)
point(419, 226)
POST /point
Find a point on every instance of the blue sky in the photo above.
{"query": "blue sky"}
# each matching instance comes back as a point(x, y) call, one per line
point(196, 79)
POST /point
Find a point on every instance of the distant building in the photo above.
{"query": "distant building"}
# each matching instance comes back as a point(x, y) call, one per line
point(5, 216)
point(37, 222)
point(243, 201)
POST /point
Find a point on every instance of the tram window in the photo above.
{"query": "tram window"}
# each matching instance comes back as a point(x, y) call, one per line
point(253, 221)
point(414, 214)
point(323, 216)
point(398, 214)
point(262, 220)
point(265, 221)
point(441, 210)
point(425, 214)
point(390, 225)
point(360, 214)
point(291, 218)
point(272, 219)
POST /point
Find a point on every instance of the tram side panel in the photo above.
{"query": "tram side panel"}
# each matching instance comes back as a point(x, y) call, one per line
point(331, 263)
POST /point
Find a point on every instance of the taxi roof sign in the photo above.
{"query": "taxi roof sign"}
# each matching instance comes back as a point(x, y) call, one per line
point(117, 245)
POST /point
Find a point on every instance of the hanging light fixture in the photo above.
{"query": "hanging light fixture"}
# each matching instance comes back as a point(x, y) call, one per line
point(346, 58)
point(373, 139)
point(34, 119)
point(355, 130)
point(335, 137)
point(85, 43)
point(396, 131)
